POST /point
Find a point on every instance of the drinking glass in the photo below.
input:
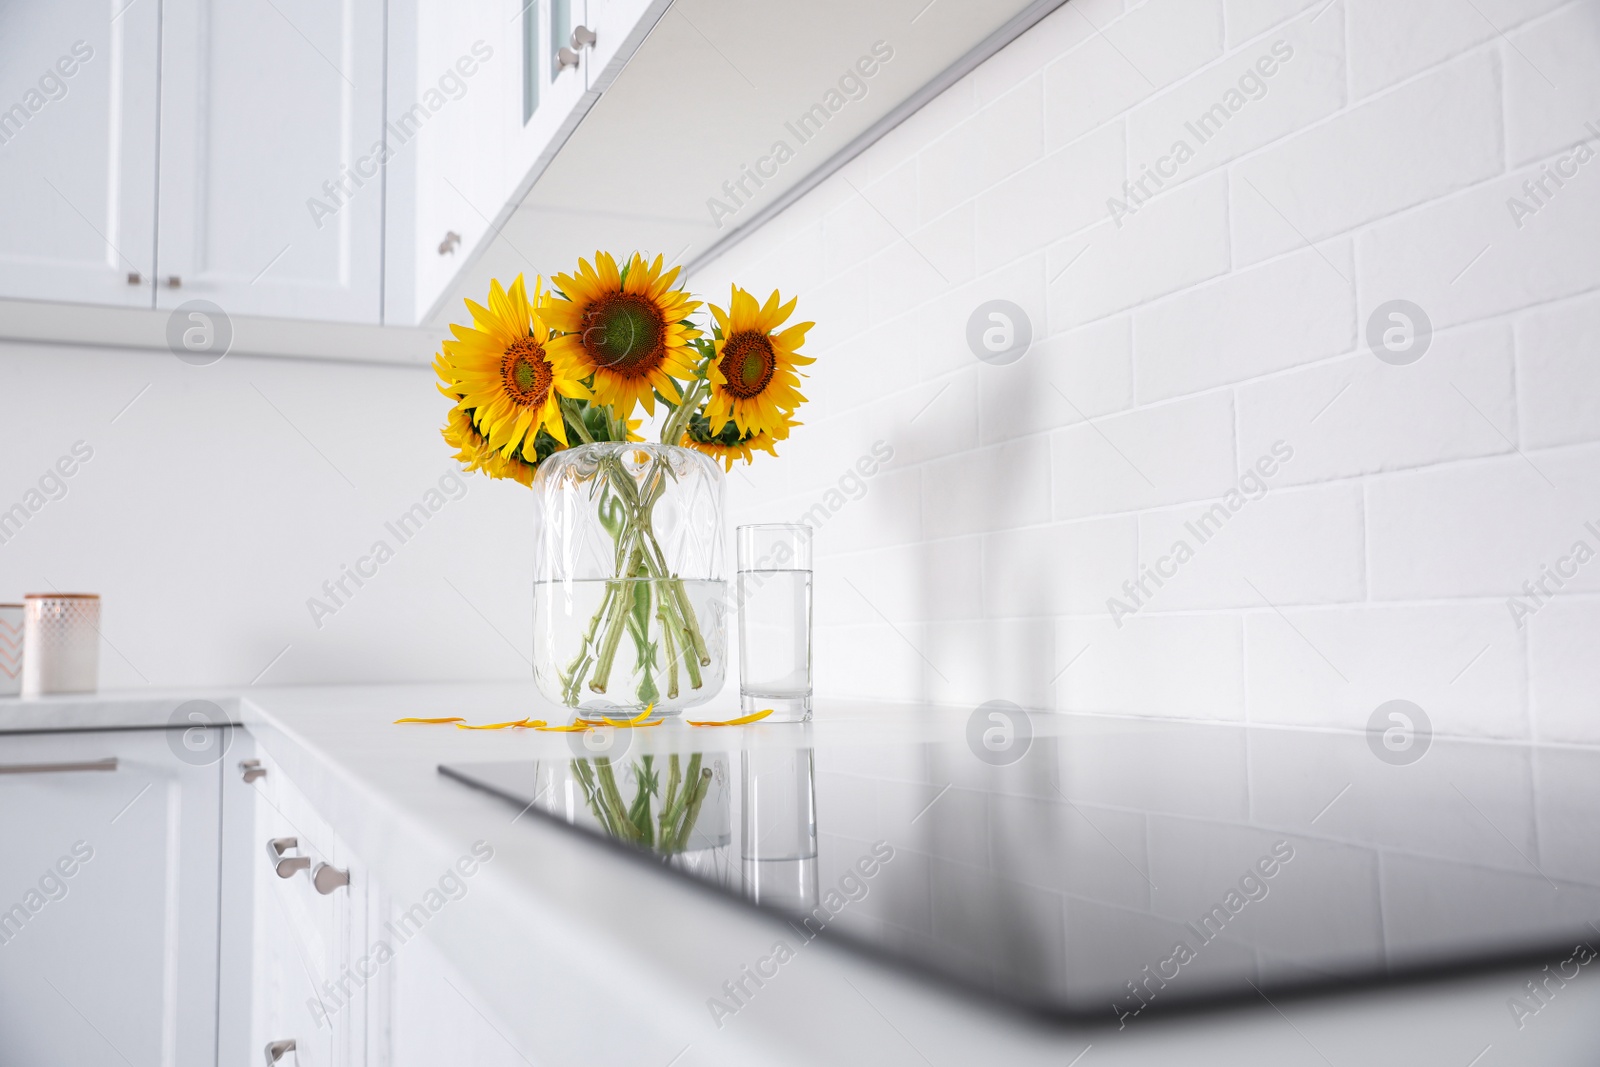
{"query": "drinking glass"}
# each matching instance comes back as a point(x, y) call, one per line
point(774, 591)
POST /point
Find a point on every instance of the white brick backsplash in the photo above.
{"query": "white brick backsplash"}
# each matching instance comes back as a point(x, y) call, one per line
point(1235, 106)
point(1461, 663)
point(1556, 350)
point(1144, 458)
point(1483, 528)
point(1297, 546)
point(1174, 241)
point(1150, 47)
point(1566, 672)
point(920, 129)
point(1291, 311)
point(1427, 138)
point(1465, 258)
point(988, 489)
point(1553, 81)
point(1092, 365)
point(1358, 415)
point(871, 662)
point(840, 297)
point(933, 258)
point(1247, 18)
point(871, 219)
point(908, 583)
point(1062, 193)
point(1229, 311)
point(889, 513)
point(1390, 42)
point(989, 659)
point(1185, 667)
point(1059, 32)
point(938, 331)
point(1065, 568)
point(1000, 139)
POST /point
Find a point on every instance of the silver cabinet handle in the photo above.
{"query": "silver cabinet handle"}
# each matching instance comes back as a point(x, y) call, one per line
point(174, 282)
point(107, 764)
point(276, 1049)
point(286, 866)
point(327, 878)
point(452, 241)
point(252, 770)
point(566, 57)
point(582, 37)
point(135, 278)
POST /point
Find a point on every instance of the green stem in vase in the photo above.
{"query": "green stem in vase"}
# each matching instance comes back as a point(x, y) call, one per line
point(642, 577)
point(613, 633)
point(670, 652)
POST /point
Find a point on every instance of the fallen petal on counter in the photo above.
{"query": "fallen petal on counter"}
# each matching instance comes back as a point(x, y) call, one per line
point(455, 719)
point(743, 720)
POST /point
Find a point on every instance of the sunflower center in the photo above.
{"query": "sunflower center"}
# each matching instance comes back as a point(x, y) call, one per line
point(748, 364)
point(526, 372)
point(623, 333)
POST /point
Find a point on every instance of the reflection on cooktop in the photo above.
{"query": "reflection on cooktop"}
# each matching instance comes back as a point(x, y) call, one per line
point(1111, 867)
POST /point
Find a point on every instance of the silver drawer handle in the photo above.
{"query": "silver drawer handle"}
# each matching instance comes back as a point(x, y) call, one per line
point(286, 866)
point(252, 770)
point(107, 764)
point(276, 1049)
point(327, 878)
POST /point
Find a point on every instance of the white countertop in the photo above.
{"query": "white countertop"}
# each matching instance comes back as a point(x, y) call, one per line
point(590, 957)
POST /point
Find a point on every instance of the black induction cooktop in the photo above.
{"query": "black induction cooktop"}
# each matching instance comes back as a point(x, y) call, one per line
point(1108, 868)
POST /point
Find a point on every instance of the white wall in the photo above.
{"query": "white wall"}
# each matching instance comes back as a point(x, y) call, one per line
point(1173, 350)
point(219, 499)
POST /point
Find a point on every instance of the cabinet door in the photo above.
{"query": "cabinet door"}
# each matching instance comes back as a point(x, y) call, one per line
point(272, 130)
point(306, 985)
point(77, 151)
point(108, 900)
point(618, 26)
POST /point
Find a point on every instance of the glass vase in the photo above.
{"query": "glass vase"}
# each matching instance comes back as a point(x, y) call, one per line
point(630, 594)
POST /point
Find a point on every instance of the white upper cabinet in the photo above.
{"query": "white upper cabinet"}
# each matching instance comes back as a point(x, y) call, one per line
point(615, 24)
point(78, 90)
point(328, 160)
point(272, 142)
point(488, 98)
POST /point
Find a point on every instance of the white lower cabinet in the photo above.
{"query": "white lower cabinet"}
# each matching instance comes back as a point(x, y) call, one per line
point(298, 904)
point(109, 898)
point(350, 975)
point(436, 1016)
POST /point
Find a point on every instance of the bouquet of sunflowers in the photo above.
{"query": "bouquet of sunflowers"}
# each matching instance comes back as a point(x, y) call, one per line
point(539, 373)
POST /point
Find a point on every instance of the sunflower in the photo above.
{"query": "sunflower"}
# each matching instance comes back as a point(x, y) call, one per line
point(731, 444)
point(627, 328)
point(503, 371)
point(474, 453)
point(753, 378)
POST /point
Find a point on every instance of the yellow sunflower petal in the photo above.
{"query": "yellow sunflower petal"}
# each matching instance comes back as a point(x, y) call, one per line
point(743, 720)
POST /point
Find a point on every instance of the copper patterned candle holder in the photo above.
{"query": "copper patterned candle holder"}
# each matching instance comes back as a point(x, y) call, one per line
point(61, 643)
